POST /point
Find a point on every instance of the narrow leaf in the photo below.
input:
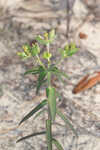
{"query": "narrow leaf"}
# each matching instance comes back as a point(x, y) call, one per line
point(60, 114)
point(41, 80)
point(39, 84)
point(52, 68)
point(71, 52)
point(55, 70)
point(31, 135)
point(35, 70)
point(39, 113)
point(32, 112)
point(57, 144)
point(60, 72)
point(31, 72)
point(59, 76)
point(63, 74)
point(52, 102)
point(49, 134)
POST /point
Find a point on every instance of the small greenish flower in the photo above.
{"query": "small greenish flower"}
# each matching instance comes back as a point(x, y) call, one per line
point(68, 50)
point(35, 50)
point(22, 54)
point(47, 55)
point(41, 40)
point(67, 47)
point(27, 49)
point(26, 53)
point(47, 38)
point(71, 49)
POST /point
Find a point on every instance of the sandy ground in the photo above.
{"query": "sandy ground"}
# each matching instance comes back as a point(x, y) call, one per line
point(20, 22)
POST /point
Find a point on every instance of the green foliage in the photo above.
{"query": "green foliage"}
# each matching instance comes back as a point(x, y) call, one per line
point(32, 112)
point(45, 73)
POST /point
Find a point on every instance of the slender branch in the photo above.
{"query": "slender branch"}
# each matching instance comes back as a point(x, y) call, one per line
point(40, 62)
point(48, 47)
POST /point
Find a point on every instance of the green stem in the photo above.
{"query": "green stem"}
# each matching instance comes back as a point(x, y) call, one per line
point(48, 47)
point(49, 134)
point(49, 79)
point(49, 85)
point(49, 122)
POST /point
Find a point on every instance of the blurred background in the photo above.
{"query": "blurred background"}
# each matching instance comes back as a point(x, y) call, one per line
point(74, 20)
